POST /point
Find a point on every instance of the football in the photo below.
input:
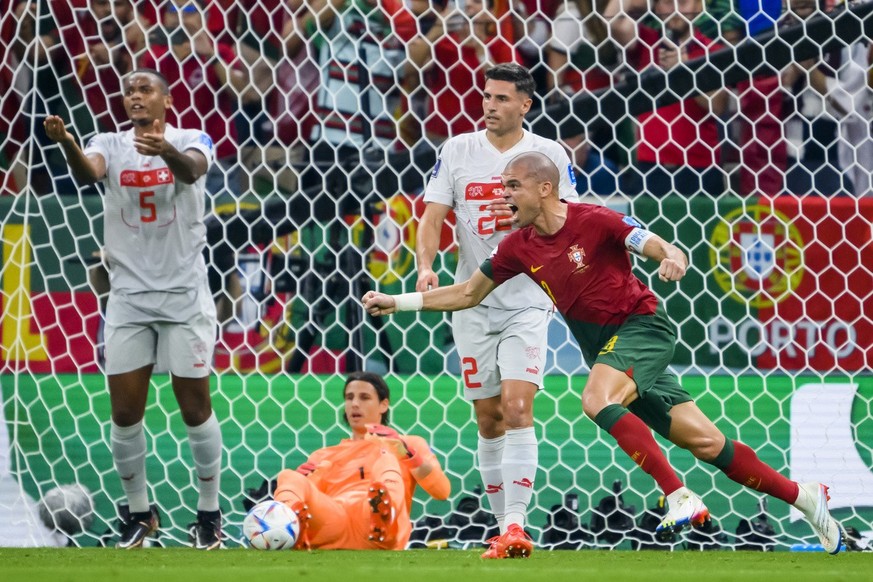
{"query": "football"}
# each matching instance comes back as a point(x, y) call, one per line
point(67, 508)
point(271, 525)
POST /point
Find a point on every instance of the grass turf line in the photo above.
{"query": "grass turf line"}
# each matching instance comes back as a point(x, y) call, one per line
point(186, 565)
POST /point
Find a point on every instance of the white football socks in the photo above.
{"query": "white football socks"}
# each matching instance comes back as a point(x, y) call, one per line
point(520, 461)
point(489, 453)
point(128, 446)
point(205, 443)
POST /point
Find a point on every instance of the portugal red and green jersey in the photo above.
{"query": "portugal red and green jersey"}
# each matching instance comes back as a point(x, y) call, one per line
point(584, 268)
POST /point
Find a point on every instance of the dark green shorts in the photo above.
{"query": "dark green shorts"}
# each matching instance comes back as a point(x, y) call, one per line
point(643, 348)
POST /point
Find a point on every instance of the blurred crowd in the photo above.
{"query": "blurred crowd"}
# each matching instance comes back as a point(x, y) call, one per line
point(294, 92)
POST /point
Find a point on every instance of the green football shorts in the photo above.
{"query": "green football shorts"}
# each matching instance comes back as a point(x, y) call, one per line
point(643, 348)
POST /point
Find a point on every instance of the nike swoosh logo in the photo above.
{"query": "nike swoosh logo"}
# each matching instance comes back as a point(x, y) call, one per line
point(535, 269)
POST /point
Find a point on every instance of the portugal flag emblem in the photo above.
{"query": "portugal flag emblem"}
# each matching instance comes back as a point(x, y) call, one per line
point(759, 258)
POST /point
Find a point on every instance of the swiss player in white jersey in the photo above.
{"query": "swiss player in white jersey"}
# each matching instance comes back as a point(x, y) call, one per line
point(159, 303)
point(502, 342)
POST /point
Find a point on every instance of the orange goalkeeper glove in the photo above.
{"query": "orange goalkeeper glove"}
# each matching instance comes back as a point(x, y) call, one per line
point(412, 459)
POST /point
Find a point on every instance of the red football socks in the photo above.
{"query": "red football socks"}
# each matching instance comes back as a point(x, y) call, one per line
point(635, 439)
point(747, 469)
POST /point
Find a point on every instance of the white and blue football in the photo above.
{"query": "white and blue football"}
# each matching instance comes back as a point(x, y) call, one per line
point(271, 525)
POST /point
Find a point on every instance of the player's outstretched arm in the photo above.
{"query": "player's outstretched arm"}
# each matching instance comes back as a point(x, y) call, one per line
point(453, 298)
point(673, 262)
point(85, 169)
point(186, 166)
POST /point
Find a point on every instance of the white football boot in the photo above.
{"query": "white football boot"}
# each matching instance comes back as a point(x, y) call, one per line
point(685, 508)
point(812, 501)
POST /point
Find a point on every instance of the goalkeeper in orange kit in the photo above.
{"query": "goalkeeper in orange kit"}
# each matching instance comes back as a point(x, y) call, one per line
point(356, 495)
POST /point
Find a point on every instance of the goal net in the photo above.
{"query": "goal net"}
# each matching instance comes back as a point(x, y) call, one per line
point(739, 130)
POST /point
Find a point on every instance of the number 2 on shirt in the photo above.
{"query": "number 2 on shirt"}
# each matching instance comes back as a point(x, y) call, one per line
point(488, 224)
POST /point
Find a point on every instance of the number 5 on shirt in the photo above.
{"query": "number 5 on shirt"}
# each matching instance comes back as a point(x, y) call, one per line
point(149, 210)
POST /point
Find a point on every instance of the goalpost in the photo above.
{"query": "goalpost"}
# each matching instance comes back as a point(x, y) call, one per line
point(775, 316)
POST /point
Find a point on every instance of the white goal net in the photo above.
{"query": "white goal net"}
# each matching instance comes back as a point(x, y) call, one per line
point(738, 129)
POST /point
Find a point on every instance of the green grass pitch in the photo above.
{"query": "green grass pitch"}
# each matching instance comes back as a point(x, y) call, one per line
point(236, 565)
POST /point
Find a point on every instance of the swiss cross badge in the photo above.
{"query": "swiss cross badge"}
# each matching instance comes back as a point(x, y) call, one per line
point(577, 255)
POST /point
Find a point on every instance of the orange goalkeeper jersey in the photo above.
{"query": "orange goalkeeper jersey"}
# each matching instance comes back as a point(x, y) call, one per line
point(351, 463)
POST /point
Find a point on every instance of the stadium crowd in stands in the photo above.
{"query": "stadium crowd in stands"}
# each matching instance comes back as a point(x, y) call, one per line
point(246, 74)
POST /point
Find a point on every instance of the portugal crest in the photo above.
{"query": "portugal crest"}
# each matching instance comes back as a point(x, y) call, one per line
point(756, 255)
point(577, 256)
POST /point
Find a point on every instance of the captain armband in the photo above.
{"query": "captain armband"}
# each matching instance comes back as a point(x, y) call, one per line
point(636, 240)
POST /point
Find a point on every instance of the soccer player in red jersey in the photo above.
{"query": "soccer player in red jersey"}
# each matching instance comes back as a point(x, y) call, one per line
point(578, 255)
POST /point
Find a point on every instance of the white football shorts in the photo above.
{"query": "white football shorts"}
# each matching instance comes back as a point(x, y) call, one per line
point(498, 344)
point(176, 329)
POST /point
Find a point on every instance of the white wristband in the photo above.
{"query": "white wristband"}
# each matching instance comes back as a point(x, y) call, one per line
point(408, 302)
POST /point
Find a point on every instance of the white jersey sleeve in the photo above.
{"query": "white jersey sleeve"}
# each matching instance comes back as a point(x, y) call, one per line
point(99, 144)
point(197, 140)
point(440, 188)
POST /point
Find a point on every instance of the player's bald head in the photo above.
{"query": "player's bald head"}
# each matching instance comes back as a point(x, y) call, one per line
point(537, 167)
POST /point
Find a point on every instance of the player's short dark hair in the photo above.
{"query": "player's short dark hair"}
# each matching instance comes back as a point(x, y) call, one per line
point(513, 73)
point(162, 80)
point(374, 380)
